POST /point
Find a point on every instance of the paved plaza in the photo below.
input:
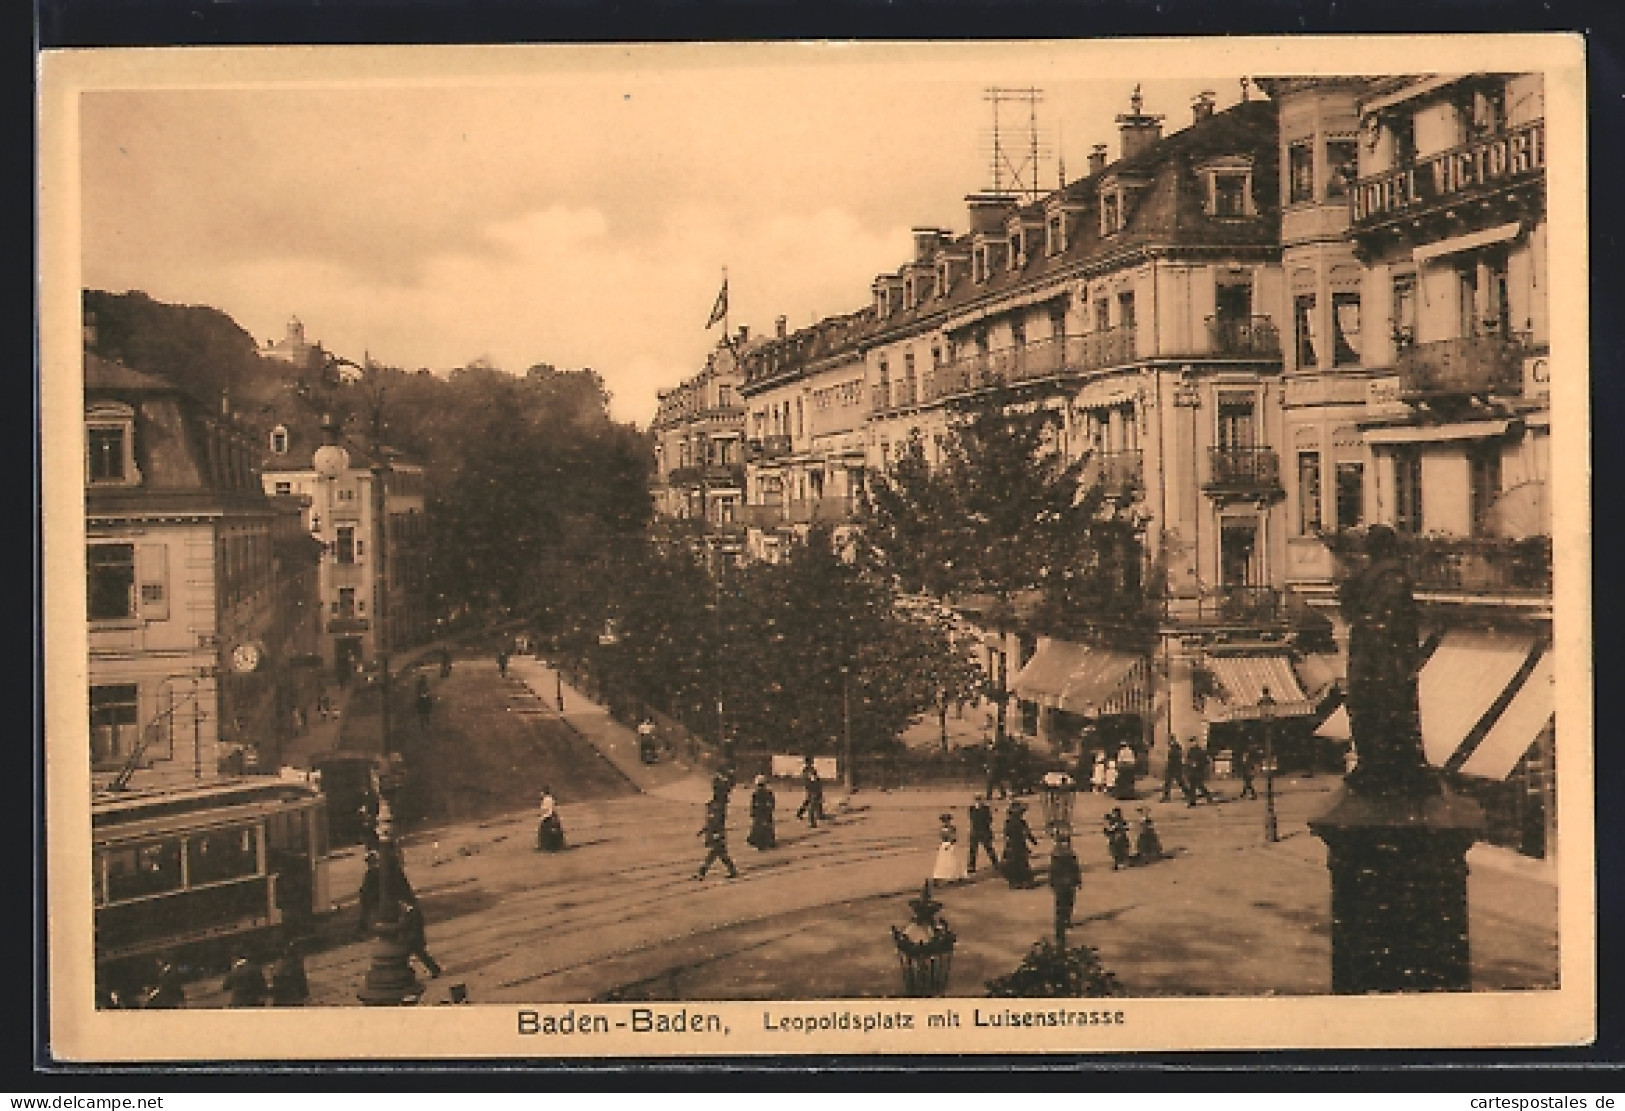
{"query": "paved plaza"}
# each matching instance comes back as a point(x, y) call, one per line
point(620, 916)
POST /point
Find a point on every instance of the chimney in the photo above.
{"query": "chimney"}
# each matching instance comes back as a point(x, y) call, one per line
point(744, 332)
point(781, 326)
point(1139, 131)
point(1097, 158)
point(1202, 106)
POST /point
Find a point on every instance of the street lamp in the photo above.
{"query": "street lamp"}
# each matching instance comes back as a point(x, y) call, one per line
point(1266, 710)
point(925, 948)
point(850, 773)
point(390, 980)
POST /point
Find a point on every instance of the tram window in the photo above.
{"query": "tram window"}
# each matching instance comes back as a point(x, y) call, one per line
point(144, 870)
point(222, 854)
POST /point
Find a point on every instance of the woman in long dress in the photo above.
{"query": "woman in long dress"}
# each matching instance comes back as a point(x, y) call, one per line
point(761, 835)
point(1018, 840)
point(950, 866)
point(550, 831)
point(1097, 774)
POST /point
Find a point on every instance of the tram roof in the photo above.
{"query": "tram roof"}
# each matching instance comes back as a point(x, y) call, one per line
point(118, 808)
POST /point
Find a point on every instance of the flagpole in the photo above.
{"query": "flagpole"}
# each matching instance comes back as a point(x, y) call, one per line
point(727, 329)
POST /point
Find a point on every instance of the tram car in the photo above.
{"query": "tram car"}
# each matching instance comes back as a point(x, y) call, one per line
point(183, 868)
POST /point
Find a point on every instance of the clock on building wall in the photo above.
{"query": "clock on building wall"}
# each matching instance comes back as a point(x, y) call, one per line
point(246, 657)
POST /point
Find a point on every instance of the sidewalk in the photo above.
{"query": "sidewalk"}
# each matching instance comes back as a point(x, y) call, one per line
point(673, 777)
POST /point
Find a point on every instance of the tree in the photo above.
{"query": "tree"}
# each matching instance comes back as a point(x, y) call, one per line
point(1004, 515)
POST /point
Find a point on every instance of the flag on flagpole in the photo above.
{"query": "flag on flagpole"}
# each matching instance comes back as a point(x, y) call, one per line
point(719, 311)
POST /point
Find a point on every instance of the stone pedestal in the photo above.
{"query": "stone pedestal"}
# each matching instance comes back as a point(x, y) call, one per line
point(390, 980)
point(1399, 890)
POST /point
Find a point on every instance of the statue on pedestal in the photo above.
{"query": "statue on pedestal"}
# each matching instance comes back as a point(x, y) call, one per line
point(1384, 658)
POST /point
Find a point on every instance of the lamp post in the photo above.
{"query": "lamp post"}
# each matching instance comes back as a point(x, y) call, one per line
point(925, 948)
point(849, 774)
point(1266, 710)
point(1057, 791)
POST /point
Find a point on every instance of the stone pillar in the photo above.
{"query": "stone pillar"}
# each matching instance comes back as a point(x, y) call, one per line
point(1399, 892)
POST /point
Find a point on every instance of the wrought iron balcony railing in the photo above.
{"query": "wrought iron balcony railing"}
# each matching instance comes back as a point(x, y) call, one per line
point(1243, 470)
point(1464, 365)
point(1120, 473)
point(1254, 336)
point(1481, 565)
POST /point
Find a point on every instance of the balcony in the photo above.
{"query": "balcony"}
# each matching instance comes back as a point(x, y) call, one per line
point(1464, 365)
point(819, 511)
point(1231, 605)
point(1042, 358)
point(1120, 473)
point(1481, 565)
point(1253, 337)
point(347, 626)
point(1475, 170)
point(723, 474)
point(1244, 473)
point(760, 516)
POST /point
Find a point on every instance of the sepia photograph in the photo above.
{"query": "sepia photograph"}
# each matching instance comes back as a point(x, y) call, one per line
point(804, 548)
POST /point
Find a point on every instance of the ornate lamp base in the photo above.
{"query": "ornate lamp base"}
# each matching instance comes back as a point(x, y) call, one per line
point(390, 980)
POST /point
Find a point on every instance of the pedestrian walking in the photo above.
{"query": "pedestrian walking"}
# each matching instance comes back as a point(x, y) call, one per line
point(981, 833)
point(1244, 767)
point(1097, 774)
point(648, 752)
point(415, 935)
point(1117, 841)
point(502, 662)
point(715, 835)
point(1173, 772)
point(722, 785)
point(1148, 846)
point(762, 835)
point(812, 806)
point(1018, 842)
point(950, 865)
point(1065, 877)
point(549, 830)
point(289, 987)
point(246, 983)
point(1196, 768)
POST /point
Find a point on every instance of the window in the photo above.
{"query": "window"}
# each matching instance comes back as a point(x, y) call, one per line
point(344, 548)
point(1300, 158)
point(113, 721)
point(1488, 111)
point(284, 489)
point(1350, 495)
point(279, 440)
point(1015, 251)
point(1404, 310)
point(1103, 314)
point(1229, 194)
point(978, 261)
point(1408, 490)
point(1484, 481)
point(1342, 166)
point(1053, 230)
point(725, 397)
point(1125, 309)
point(1304, 329)
point(110, 572)
point(1236, 428)
point(221, 854)
point(1345, 328)
point(106, 447)
point(1110, 213)
point(149, 869)
point(345, 606)
point(1308, 492)
point(1018, 333)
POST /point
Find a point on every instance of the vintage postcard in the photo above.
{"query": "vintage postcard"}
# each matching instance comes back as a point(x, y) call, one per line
point(805, 548)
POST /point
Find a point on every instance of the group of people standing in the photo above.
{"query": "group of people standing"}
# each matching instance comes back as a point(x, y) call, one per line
point(1188, 769)
point(951, 865)
point(763, 833)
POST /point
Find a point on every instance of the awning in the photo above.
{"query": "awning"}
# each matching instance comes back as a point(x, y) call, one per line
point(1243, 680)
point(1461, 682)
point(1336, 727)
point(1437, 433)
point(1518, 727)
point(1501, 233)
point(1082, 680)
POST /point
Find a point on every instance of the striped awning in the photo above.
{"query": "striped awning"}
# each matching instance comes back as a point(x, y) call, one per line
point(1083, 679)
point(1336, 727)
point(1460, 685)
point(1532, 710)
point(1244, 679)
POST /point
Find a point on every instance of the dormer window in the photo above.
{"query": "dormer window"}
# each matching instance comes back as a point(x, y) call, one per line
point(279, 440)
point(1015, 251)
point(942, 279)
point(110, 446)
point(978, 262)
point(1111, 212)
point(1055, 235)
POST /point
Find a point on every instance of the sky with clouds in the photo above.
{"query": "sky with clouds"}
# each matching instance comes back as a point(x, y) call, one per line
point(571, 205)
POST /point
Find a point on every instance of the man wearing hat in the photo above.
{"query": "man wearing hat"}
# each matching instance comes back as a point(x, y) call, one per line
point(715, 833)
point(812, 807)
point(1018, 839)
point(1065, 877)
point(981, 833)
point(762, 835)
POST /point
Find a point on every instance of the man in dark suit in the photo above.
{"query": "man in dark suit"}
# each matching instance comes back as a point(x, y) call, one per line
point(981, 832)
